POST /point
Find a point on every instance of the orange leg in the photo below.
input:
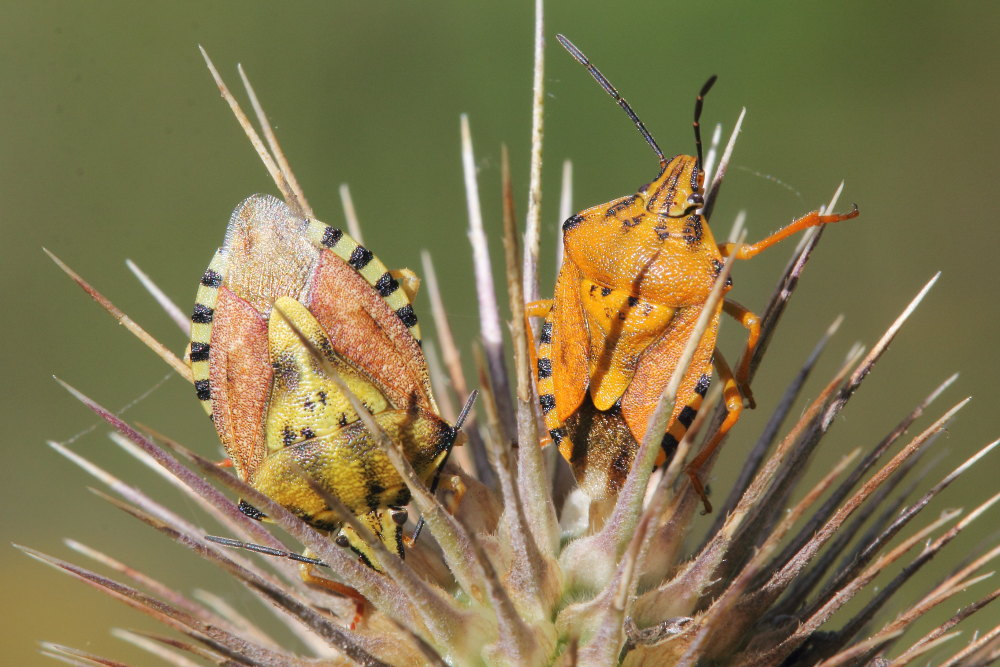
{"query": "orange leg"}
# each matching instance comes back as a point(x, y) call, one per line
point(306, 573)
point(734, 408)
point(752, 324)
point(535, 309)
point(748, 250)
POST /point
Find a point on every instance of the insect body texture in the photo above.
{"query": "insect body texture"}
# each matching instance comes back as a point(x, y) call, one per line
point(636, 275)
point(286, 304)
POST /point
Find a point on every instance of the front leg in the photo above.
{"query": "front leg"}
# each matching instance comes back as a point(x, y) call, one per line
point(814, 219)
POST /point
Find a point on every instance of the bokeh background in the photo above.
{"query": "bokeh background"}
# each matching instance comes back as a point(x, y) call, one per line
point(116, 145)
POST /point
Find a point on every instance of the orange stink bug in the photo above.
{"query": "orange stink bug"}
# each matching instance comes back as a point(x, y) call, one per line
point(279, 278)
point(635, 276)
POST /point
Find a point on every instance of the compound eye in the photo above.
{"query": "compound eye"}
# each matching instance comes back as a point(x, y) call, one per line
point(696, 200)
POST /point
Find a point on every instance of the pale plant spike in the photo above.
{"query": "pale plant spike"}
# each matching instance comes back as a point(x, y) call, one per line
point(129, 493)
point(653, 513)
point(956, 578)
point(565, 205)
point(288, 574)
point(913, 653)
point(534, 466)
point(712, 192)
point(864, 367)
point(807, 238)
point(851, 655)
point(350, 213)
point(657, 508)
point(928, 641)
point(532, 229)
point(451, 355)
point(272, 167)
point(166, 593)
point(455, 542)
point(967, 464)
point(173, 311)
point(153, 648)
point(73, 656)
point(221, 607)
point(974, 647)
point(187, 476)
point(440, 384)
point(525, 551)
point(187, 624)
point(275, 149)
point(142, 457)
point(489, 311)
point(208, 655)
point(950, 380)
point(203, 493)
point(516, 640)
point(712, 152)
point(158, 348)
point(900, 549)
point(833, 200)
point(974, 514)
point(915, 611)
point(169, 594)
point(810, 234)
point(739, 226)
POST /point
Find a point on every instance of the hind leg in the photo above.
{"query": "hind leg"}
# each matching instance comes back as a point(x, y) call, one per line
point(734, 408)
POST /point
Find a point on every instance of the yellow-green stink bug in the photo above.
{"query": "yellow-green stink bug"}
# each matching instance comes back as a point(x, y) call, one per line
point(274, 404)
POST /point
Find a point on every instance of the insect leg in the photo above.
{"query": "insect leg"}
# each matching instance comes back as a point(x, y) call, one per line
point(408, 280)
point(540, 308)
point(748, 250)
point(734, 408)
point(752, 324)
point(337, 588)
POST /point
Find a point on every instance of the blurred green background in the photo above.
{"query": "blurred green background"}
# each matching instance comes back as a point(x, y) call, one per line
point(116, 145)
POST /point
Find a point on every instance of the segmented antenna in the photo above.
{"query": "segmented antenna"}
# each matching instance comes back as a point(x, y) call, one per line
point(462, 416)
point(261, 549)
point(610, 90)
point(698, 103)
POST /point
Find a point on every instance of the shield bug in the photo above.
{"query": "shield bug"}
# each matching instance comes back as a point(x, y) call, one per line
point(635, 276)
point(277, 281)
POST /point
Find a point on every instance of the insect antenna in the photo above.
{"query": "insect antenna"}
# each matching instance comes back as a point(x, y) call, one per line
point(260, 548)
point(613, 92)
point(462, 416)
point(698, 104)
